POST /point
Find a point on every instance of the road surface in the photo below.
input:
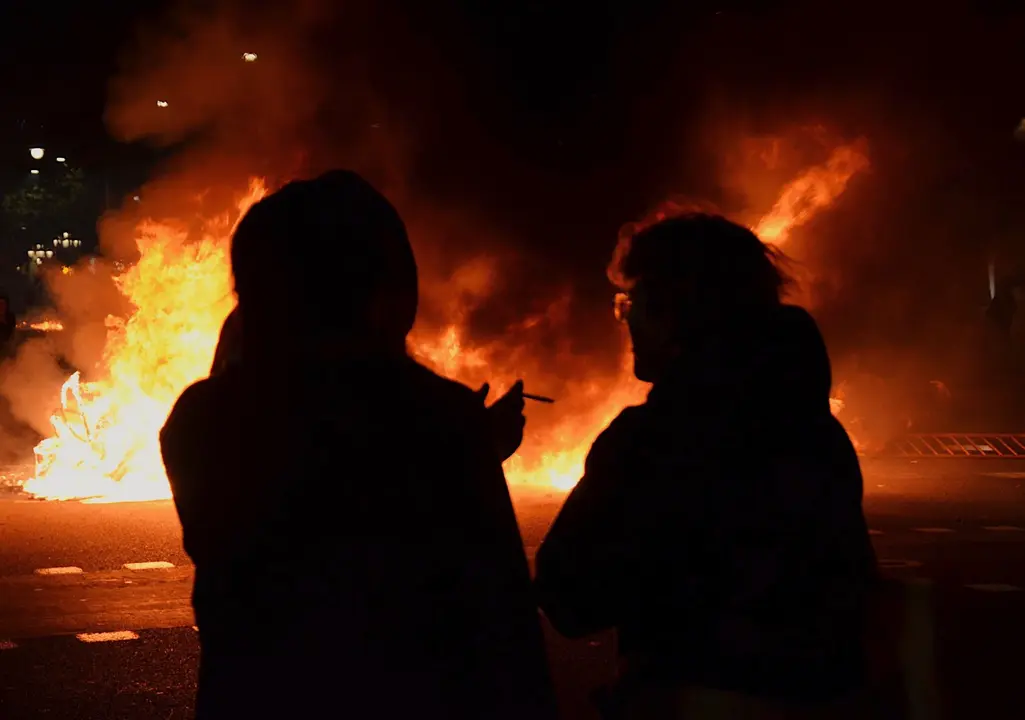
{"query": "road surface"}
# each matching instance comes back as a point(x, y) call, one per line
point(95, 619)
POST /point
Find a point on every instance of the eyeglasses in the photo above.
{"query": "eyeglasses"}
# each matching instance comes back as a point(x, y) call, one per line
point(622, 304)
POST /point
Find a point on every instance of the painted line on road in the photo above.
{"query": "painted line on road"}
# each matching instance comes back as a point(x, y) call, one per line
point(994, 587)
point(1004, 528)
point(893, 564)
point(934, 530)
point(152, 565)
point(70, 570)
point(116, 636)
point(8, 645)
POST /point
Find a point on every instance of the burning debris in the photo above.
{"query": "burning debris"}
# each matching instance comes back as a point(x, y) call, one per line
point(105, 442)
point(41, 325)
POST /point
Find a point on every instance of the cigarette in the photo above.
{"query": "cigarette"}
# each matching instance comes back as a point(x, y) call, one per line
point(538, 398)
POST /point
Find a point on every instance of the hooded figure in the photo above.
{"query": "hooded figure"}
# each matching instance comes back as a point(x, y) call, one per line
point(718, 527)
point(356, 550)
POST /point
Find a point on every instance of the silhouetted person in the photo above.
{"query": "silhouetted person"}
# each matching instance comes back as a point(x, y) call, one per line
point(718, 527)
point(356, 550)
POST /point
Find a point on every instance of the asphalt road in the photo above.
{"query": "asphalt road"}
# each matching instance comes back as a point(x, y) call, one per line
point(95, 619)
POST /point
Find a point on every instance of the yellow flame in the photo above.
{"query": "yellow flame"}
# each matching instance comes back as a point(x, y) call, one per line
point(105, 443)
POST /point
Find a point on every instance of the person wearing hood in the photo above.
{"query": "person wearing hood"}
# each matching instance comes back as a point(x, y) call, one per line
point(718, 527)
point(356, 550)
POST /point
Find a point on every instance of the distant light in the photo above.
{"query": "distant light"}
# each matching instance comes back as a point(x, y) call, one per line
point(249, 57)
point(136, 198)
point(65, 235)
point(36, 153)
point(161, 103)
point(60, 159)
point(34, 171)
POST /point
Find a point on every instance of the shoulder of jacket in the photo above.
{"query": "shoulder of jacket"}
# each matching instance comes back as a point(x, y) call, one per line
point(448, 396)
point(195, 403)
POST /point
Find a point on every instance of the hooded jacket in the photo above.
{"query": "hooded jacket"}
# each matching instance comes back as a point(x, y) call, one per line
point(356, 550)
point(719, 525)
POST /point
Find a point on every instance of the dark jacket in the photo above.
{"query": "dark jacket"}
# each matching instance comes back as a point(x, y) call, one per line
point(356, 550)
point(719, 526)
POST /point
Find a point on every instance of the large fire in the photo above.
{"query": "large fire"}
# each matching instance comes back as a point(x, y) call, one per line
point(104, 447)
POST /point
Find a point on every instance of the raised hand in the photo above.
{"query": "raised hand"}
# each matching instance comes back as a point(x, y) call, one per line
point(507, 419)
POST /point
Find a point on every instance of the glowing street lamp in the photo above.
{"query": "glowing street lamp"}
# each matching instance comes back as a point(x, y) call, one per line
point(62, 159)
point(161, 103)
point(34, 171)
point(249, 57)
point(36, 153)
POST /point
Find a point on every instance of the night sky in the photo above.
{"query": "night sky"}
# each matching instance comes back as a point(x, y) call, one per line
point(552, 124)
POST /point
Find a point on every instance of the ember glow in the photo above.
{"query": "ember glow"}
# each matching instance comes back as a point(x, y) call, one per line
point(42, 326)
point(105, 443)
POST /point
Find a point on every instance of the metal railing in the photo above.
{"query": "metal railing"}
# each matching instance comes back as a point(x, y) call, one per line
point(958, 445)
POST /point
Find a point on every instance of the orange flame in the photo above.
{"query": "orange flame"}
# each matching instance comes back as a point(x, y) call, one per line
point(42, 326)
point(105, 443)
point(812, 191)
point(104, 447)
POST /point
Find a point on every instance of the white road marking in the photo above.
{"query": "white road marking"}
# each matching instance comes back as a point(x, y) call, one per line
point(875, 532)
point(8, 645)
point(115, 636)
point(152, 565)
point(70, 570)
point(890, 564)
point(934, 530)
point(1004, 528)
point(994, 587)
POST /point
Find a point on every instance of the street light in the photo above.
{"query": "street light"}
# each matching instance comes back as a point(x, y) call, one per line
point(249, 57)
point(34, 171)
point(36, 153)
point(161, 103)
point(61, 159)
